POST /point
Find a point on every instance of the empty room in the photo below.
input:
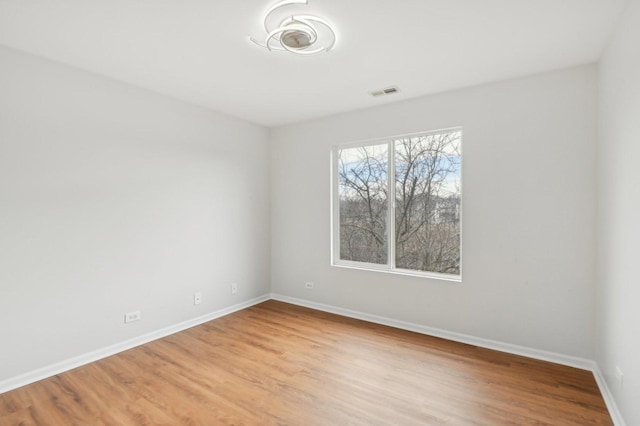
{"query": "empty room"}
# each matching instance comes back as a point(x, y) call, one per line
point(319, 212)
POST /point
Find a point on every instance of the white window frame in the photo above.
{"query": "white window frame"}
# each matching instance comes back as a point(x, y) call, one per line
point(390, 267)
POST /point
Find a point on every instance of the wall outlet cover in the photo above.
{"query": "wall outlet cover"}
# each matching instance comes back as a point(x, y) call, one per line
point(619, 375)
point(132, 316)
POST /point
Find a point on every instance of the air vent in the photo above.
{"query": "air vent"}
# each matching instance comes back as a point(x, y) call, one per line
point(385, 91)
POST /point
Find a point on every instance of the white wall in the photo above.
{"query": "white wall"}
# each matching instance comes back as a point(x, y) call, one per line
point(528, 213)
point(115, 199)
point(618, 337)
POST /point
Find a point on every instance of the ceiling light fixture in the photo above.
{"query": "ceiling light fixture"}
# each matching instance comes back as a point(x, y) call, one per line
point(299, 34)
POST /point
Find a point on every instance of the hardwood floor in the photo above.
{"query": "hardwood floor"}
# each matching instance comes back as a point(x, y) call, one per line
point(276, 363)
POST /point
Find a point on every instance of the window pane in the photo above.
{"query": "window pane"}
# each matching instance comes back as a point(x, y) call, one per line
point(428, 202)
point(362, 186)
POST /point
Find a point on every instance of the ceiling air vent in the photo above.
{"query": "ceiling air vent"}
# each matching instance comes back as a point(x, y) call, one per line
point(385, 91)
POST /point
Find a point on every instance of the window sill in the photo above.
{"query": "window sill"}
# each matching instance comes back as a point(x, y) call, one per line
point(405, 272)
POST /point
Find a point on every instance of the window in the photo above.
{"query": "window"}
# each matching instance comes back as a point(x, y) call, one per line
point(396, 204)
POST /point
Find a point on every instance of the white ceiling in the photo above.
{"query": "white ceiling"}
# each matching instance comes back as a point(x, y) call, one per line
point(198, 50)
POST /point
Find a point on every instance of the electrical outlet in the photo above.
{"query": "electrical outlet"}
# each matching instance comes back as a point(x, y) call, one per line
point(197, 298)
point(132, 316)
point(308, 285)
point(619, 376)
point(234, 288)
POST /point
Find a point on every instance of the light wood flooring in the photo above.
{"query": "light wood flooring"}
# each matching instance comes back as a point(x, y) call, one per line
point(276, 363)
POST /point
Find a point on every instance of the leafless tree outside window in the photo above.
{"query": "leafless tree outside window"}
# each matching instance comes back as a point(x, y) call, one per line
point(427, 202)
point(363, 181)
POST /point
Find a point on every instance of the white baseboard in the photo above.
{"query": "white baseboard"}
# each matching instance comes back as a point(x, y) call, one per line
point(571, 361)
point(60, 367)
point(616, 416)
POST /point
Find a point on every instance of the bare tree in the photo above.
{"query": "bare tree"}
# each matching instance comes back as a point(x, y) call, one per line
point(363, 204)
point(427, 203)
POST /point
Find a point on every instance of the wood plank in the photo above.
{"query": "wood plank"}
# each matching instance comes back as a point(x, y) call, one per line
point(277, 363)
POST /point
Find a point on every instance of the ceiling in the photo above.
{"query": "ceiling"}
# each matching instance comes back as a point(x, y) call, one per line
point(199, 51)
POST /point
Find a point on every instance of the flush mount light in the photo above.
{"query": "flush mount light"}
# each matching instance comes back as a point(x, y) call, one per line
point(299, 34)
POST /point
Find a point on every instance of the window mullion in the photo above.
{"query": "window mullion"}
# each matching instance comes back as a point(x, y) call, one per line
point(391, 206)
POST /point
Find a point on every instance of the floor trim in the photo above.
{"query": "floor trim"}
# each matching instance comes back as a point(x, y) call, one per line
point(71, 363)
point(571, 361)
point(614, 412)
